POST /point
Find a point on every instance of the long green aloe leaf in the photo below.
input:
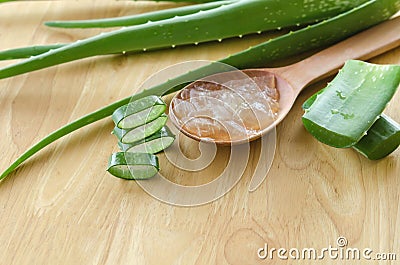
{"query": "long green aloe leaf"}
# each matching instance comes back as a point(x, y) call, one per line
point(319, 35)
point(136, 19)
point(187, 1)
point(217, 23)
point(27, 52)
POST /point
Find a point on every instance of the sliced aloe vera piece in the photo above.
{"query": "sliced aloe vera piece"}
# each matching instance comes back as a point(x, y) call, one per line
point(139, 112)
point(141, 132)
point(133, 166)
point(153, 144)
point(351, 103)
point(381, 140)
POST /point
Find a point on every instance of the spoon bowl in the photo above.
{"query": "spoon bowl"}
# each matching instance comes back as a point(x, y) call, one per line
point(287, 81)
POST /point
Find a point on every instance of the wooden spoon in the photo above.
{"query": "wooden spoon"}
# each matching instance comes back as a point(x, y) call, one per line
point(291, 80)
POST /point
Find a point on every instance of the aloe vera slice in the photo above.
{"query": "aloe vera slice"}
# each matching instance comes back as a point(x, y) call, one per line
point(153, 144)
point(133, 166)
point(381, 140)
point(351, 103)
point(139, 112)
point(140, 132)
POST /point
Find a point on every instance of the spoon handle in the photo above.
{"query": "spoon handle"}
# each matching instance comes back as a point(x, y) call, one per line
point(363, 46)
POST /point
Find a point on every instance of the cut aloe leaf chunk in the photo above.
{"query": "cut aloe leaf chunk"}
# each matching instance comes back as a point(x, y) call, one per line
point(139, 112)
point(133, 166)
point(141, 132)
point(351, 103)
point(381, 140)
point(153, 144)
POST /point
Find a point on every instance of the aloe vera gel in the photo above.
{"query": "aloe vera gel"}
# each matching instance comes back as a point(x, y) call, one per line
point(349, 107)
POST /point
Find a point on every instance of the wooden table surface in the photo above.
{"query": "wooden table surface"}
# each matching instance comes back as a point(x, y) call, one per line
point(62, 207)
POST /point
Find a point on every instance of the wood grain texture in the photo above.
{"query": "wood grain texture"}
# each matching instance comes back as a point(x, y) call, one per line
point(61, 207)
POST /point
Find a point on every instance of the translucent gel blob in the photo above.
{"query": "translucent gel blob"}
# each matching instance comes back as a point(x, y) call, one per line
point(231, 110)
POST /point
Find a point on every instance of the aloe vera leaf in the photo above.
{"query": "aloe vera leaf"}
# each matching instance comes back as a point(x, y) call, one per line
point(26, 52)
point(351, 103)
point(153, 144)
point(276, 53)
point(136, 19)
point(187, 1)
point(381, 140)
point(315, 36)
point(273, 50)
point(282, 47)
point(140, 132)
point(204, 26)
point(139, 112)
point(133, 166)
